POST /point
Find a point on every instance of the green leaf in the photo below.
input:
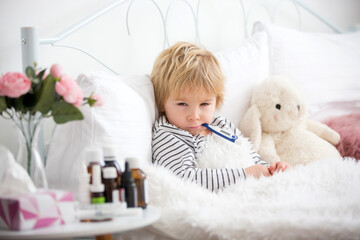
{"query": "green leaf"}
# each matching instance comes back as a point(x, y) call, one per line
point(41, 74)
point(46, 96)
point(36, 84)
point(36, 80)
point(3, 105)
point(30, 72)
point(63, 112)
point(91, 102)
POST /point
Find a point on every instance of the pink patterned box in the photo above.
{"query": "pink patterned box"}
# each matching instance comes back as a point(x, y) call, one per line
point(36, 210)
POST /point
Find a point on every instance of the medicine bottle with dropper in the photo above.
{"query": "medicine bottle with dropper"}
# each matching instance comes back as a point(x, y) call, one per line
point(129, 187)
point(97, 188)
point(140, 181)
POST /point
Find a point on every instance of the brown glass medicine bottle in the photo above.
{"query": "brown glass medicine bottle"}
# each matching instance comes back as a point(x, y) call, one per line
point(111, 186)
point(111, 160)
point(140, 181)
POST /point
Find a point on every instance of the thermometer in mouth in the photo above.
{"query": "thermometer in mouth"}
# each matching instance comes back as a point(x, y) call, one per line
point(222, 133)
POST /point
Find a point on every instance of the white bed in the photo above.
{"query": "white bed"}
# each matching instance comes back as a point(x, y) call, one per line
point(317, 201)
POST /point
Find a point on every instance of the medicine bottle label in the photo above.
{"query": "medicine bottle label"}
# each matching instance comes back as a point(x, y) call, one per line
point(98, 200)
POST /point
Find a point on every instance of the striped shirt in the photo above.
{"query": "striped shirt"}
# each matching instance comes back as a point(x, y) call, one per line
point(178, 151)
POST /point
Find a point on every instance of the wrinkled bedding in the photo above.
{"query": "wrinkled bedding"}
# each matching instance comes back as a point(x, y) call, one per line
point(317, 201)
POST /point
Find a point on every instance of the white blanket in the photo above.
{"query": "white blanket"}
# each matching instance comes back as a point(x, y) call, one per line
point(220, 153)
point(317, 201)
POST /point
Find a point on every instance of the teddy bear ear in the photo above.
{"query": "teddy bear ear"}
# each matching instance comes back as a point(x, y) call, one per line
point(250, 125)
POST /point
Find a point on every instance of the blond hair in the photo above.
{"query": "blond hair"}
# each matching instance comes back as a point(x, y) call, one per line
point(186, 66)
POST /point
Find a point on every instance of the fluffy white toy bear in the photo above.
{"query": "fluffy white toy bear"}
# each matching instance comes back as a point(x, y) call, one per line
point(276, 124)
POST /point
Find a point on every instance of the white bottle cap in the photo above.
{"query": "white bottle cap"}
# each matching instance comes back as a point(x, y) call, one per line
point(96, 185)
point(93, 155)
point(133, 162)
point(110, 151)
point(109, 172)
point(97, 188)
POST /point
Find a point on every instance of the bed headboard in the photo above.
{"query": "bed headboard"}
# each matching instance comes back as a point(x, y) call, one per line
point(214, 24)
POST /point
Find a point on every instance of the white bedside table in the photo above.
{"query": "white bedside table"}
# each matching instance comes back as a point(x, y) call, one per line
point(85, 229)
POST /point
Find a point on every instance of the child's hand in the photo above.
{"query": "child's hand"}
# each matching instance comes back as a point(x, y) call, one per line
point(277, 167)
point(257, 171)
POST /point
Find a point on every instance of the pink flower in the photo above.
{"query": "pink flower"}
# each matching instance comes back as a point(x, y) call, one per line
point(74, 96)
point(69, 90)
point(98, 100)
point(64, 85)
point(79, 98)
point(56, 70)
point(14, 84)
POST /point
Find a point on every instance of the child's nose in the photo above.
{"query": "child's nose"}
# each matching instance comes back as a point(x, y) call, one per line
point(194, 114)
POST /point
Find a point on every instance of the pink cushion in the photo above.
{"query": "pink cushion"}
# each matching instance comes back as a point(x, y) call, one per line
point(348, 126)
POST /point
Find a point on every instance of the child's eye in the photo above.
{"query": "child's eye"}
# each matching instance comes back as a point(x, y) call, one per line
point(182, 104)
point(204, 104)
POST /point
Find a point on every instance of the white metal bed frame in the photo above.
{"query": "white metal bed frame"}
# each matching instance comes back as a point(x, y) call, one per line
point(30, 40)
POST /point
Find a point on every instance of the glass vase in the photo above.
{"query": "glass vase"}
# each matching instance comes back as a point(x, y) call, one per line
point(28, 155)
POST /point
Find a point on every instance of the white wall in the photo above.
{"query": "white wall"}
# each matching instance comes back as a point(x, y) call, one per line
point(220, 22)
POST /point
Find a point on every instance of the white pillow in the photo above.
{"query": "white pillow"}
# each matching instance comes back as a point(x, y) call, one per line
point(244, 67)
point(327, 66)
point(125, 121)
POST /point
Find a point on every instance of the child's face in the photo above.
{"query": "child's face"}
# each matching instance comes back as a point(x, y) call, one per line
point(191, 109)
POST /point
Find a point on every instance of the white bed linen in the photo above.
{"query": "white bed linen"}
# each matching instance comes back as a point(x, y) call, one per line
point(317, 201)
